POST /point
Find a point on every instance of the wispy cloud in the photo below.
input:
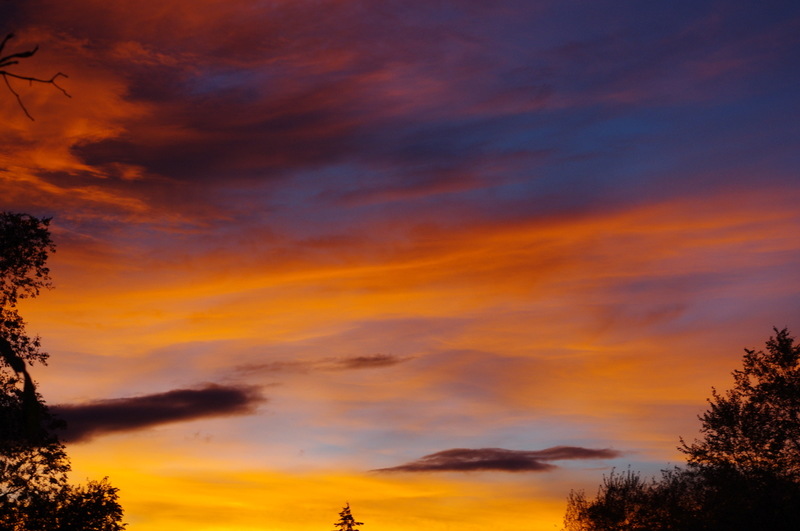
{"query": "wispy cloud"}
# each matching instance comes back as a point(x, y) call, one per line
point(374, 361)
point(90, 419)
point(367, 362)
point(500, 459)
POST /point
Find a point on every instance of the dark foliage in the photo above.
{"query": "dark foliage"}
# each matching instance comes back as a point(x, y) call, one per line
point(34, 492)
point(754, 428)
point(346, 521)
point(25, 245)
point(743, 474)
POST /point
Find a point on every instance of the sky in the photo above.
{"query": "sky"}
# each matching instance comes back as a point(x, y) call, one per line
point(441, 260)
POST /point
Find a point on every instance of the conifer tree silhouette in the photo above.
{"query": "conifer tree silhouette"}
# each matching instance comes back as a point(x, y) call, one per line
point(346, 521)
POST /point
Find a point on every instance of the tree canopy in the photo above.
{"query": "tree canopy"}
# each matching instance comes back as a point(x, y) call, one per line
point(755, 427)
point(744, 472)
point(26, 244)
point(35, 494)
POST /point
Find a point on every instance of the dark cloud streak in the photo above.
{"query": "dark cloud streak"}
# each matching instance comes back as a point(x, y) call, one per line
point(375, 361)
point(90, 419)
point(500, 459)
point(368, 362)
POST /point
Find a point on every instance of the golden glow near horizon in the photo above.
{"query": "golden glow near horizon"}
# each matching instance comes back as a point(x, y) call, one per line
point(537, 346)
point(399, 230)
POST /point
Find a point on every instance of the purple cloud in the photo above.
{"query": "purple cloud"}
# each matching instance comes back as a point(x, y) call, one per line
point(500, 459)
point(375, 361)
point(90, 419)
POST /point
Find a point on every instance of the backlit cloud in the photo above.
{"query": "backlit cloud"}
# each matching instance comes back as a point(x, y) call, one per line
point(90, 419)
point(500, 460)
point(369, 362)
point(375, 361)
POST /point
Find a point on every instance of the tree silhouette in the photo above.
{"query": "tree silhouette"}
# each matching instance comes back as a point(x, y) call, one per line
point(13, 59)
point(34, 492)
point(755, 427)
point(346, 521)
point(26, 245)
point(743, 473)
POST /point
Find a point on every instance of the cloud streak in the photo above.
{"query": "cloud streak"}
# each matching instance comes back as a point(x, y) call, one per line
point(375, 361)
point(91, 419)
point(500, 459)
point(542, 213)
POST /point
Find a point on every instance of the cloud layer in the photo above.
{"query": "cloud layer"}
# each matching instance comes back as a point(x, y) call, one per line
point(558, 221)
point(500, 460)
point(91, 419)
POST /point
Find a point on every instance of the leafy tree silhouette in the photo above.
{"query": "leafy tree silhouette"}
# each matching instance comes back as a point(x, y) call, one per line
point(34, 492)
point(755, 427)
point(346, 521)
point(743, 474)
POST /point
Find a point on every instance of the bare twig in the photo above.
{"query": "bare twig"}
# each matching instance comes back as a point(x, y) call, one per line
point(19, 100)
point(13, 59)
point(5, 40)
point(21, 55)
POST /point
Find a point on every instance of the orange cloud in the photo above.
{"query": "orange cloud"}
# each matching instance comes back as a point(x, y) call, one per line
point(565, 236)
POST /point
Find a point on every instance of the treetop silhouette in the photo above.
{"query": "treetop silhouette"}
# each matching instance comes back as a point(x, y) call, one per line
point(346, 521)
point(744, 472)
point(755, 427)
point(25, 246)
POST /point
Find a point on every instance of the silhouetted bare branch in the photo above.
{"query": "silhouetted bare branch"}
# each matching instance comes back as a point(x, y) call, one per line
point(13, 59)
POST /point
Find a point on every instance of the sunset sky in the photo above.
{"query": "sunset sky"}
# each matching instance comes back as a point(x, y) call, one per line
point(444, 260)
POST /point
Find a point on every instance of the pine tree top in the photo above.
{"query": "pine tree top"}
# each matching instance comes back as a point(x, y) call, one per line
point(346, 521)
